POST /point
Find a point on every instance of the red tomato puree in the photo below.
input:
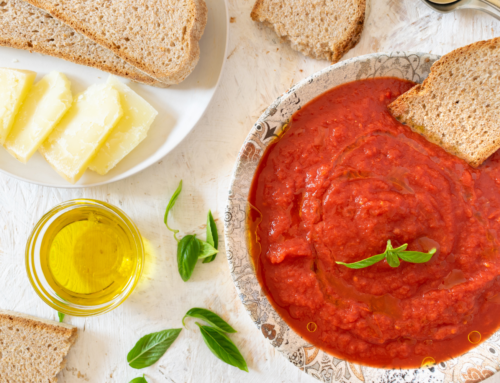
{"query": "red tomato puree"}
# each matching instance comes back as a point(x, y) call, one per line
point(345, 178)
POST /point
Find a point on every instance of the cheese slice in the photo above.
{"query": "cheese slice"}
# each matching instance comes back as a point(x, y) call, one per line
point(14, 86)
point(138, 116)
point(85, 127)
point(43, 108)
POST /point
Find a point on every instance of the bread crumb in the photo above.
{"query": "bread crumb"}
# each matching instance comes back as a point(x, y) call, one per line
point(232, 20)
point(15, 61)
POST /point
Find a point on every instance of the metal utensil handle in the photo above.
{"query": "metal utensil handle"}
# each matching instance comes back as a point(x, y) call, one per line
point(494, 3)
point(490, 6)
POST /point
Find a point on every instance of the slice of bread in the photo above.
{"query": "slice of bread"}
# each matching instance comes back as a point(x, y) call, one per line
point(32, 349)
point(23, 26)
point(458, 105)
point(159, 37)
point(324, 29)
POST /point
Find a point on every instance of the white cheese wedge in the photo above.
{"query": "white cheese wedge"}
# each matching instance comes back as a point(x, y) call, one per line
point(75, 141)
point(138, 116)
point(14, 86)
point(43, 108)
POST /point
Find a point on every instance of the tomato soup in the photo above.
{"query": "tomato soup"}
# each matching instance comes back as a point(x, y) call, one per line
point(345, 178)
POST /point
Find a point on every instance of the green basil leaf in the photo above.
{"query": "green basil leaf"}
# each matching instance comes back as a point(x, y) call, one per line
point(222, 347)
point(365, 262)
point(170, 205)
point(392, 258)
point(206, 250)
point(416, 256)
point(61, 316)
point(212, 236)
point(209, 317)
point(150, 348)
point(401, 248)
point(188, 251)
point(141, 379)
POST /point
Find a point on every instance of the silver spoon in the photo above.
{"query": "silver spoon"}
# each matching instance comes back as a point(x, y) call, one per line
point(444, 6)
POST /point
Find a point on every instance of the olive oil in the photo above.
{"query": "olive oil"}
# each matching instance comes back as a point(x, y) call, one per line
point(87, 256)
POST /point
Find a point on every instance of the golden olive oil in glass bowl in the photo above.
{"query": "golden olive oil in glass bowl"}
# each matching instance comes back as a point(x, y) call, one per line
point(84, 257)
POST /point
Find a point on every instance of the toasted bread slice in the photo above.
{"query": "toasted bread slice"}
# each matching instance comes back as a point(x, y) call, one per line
point(324, 29)
point(159, 37)
point(32, 349)
point(23, 26)
point(458, 105)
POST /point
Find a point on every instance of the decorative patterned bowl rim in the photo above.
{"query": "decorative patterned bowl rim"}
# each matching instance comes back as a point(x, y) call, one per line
point(474, 366)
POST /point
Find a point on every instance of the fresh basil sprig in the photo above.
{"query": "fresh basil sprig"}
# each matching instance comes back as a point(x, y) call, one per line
point(61, 316)
point(189, 248)
point(393, 257)
point(150, 348)
point(209, 317)
point(215, 338)
point(140, 379)
point(222, 347)
point(212, 236)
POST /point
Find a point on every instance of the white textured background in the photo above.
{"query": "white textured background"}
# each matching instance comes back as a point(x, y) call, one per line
point(258, 69)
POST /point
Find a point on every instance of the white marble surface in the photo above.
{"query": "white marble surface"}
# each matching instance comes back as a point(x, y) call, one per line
point(258, 69)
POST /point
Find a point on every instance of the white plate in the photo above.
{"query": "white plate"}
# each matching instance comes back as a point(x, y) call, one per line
point(179, 107)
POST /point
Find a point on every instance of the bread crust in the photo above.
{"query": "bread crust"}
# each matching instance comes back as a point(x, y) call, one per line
point(197, 27)
point(400, 108)
point(61, 329)
point(352, 37)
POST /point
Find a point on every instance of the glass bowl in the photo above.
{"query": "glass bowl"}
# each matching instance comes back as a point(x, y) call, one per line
point(57, 218)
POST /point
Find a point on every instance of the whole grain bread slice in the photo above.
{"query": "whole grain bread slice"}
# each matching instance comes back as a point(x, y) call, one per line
point(24, 26)
point(159, 37)
point(458, 105)
point(32, 350)
point(323, 29)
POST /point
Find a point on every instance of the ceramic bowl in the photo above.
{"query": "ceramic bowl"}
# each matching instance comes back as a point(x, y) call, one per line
point(475, 366)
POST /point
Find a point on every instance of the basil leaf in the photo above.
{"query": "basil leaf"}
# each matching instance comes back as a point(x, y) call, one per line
point(401, 248)
point(222, 347)
point(206, 250)
point(416, 256)
point(188, 251)
point(141, 379)
point(170, 205)
point(151, 347)
point(365, 262)
point(209, 317)
point(61, 316)
point(392, 258)
point(212, 236)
